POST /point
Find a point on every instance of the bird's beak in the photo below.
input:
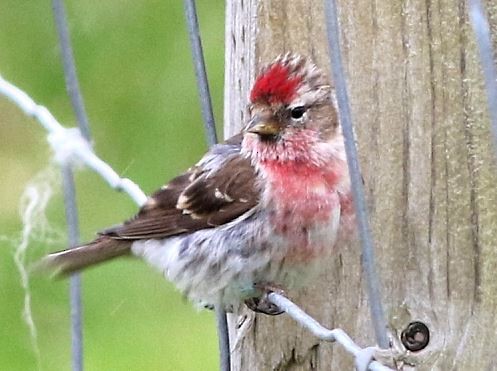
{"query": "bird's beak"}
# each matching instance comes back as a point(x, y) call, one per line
point(264, 127)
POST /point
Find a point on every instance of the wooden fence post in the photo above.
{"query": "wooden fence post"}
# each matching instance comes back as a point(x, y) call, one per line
point(420, 115)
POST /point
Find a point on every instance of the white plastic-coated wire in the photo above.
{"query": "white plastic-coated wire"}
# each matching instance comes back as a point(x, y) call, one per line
point(68, 144)
point(372, 281)
point(82, 152)
point(363, 357)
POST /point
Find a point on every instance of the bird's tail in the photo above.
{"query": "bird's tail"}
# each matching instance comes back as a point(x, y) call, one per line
point(71, 260)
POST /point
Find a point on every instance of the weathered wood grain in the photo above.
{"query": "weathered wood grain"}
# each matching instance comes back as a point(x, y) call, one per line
point(422, 127)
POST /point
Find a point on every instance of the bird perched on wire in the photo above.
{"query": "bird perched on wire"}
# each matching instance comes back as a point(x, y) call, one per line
point(258, 212)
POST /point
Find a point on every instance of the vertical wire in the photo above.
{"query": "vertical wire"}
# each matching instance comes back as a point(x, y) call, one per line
point(201, 75)
point(71, 210)
point(482, 33)
point(223, 340)
point(373, 283)
point(72, 87)
point(210, 131)
point(72, 84)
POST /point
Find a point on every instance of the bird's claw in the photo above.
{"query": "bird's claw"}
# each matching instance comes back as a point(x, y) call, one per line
point(261, 304)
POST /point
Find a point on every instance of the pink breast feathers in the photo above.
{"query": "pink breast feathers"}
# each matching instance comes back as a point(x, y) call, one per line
point(304, 201)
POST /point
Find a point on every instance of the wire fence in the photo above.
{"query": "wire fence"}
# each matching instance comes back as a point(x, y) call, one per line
point(372, 280)
point(71, 207)
point(72, 148)
point(210, 133)
point(73, 145)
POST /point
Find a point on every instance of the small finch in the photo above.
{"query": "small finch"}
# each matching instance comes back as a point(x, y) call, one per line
point(258, 212)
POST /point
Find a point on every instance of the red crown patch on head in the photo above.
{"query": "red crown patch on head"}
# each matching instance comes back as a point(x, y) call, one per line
point(275, 85)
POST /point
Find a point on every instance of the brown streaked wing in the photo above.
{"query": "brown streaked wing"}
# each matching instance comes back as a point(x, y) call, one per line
point(200, 198)
point(221, 197)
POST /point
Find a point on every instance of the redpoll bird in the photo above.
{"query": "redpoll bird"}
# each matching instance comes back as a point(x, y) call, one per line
point(258, 211)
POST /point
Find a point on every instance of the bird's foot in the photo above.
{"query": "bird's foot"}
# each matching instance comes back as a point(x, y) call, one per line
point(261, 304)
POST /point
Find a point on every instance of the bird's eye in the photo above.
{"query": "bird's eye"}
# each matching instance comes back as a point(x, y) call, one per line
point(297, 112)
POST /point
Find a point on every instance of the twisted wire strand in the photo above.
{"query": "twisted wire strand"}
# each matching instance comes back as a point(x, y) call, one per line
point(72, 147)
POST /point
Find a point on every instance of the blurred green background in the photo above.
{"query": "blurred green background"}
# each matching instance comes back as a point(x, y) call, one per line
point(137, 79)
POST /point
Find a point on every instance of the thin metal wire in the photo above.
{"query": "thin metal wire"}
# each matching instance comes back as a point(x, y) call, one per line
point(210, 132)
point(72, 87)
point(72, 221)
point(72, 84)
point(482, 32)
point(373, 283)
point(68, 144)
point(363, 357)
point(201, 75)
point(82, 151)
point(223, 340)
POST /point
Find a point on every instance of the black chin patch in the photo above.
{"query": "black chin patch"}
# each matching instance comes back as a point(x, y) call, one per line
point(268, 137)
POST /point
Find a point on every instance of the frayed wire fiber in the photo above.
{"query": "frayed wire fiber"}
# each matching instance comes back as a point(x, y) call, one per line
point(34, 201)
point(70, 146)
